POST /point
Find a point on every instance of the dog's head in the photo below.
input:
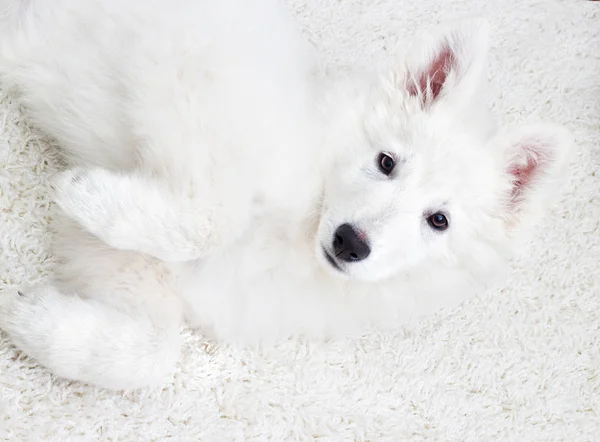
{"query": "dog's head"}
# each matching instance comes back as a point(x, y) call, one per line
point(420, 176)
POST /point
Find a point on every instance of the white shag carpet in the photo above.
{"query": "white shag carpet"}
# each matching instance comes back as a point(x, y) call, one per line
point(518, 363)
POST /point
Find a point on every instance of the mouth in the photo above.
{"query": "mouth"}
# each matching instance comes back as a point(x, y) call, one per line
point(331, 261)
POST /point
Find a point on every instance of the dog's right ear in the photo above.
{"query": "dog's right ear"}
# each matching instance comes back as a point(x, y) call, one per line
point(535, 160)
point(449, 63)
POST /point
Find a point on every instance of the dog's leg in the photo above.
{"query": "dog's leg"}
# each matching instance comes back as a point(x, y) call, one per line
point(129, 212)
point(90, 341)
point(110, 318)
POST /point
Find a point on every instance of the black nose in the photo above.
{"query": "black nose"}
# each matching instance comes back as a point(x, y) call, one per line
point(348, 246)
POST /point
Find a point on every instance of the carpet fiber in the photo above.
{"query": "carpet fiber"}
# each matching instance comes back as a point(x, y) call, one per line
point(521, 362)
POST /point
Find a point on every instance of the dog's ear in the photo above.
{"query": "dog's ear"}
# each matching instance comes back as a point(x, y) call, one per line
point(450, 62)
point(535, 160)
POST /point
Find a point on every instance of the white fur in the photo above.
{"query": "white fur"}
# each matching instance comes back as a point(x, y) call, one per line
point(212, 165)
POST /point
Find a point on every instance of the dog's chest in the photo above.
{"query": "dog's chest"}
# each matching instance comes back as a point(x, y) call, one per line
point(264, 287)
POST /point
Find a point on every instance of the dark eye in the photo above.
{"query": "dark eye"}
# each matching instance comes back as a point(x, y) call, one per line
point(386, 163)
point(438, 221)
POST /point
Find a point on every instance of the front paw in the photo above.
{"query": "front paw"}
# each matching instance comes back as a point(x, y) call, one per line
point(73, 191)
point(90, 197)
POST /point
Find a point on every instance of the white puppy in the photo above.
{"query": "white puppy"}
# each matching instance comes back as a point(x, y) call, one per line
point(216, 176)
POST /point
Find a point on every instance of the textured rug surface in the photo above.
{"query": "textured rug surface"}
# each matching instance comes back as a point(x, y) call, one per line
point(519, 363)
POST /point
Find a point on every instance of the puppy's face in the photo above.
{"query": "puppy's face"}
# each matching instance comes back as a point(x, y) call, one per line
point(418, 179)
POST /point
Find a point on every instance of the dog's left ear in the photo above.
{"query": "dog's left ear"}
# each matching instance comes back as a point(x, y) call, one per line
point(450, 62)
point(535, 160)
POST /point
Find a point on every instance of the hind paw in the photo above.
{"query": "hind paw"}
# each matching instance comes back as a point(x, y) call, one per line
point(24, 310)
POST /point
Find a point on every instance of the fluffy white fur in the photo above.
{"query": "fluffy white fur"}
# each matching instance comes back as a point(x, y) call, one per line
point(211, 165)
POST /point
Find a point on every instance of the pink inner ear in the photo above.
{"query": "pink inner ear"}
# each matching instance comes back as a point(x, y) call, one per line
point(430, 82)
point(525, 173)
